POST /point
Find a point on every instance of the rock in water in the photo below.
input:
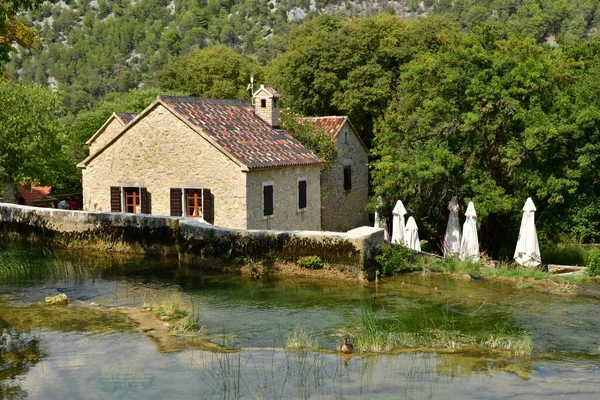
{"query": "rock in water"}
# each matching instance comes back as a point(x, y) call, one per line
point(58, 300)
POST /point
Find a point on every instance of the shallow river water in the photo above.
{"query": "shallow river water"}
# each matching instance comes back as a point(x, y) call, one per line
point(80, 352)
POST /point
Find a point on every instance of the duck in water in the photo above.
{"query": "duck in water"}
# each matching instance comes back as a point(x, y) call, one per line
point(347, 347)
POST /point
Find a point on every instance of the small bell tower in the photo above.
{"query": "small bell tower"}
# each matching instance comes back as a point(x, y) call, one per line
point(266, 105)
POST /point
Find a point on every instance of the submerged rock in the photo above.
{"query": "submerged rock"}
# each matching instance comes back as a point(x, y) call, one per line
point(58, 300)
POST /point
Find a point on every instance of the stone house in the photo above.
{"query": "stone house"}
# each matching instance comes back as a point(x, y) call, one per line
point(345, 185)
point(225, 161)
point(109, 130)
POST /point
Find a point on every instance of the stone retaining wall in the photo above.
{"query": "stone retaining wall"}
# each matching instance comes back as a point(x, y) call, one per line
point(191, 240)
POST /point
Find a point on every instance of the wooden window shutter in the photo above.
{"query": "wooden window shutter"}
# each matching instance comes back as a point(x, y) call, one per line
point(207, 205)
point(176, 206)
point(301, 195)
point(144, 200)
point(268, 200)
point(115, 199)
point(348, 178)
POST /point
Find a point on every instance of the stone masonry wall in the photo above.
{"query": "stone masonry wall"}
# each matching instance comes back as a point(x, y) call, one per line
point(161, 152)
point(344, 210)
point(351, 252)
point(109, 133)
point(270, 113)
point(285, 188)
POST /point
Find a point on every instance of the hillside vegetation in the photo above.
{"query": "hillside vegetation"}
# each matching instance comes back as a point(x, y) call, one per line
point(92, 48)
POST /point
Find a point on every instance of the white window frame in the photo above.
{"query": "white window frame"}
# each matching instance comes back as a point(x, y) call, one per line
point(303, 178)
point(124, 185)
point(184, 204)
point(262, 196)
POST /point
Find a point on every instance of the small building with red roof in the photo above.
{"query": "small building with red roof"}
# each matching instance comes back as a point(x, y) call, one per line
point(28, 195)
point(225, 161)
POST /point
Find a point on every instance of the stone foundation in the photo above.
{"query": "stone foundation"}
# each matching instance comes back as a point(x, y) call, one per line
point(191, 240)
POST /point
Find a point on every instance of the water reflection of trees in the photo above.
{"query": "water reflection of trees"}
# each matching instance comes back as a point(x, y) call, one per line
point(19, 352)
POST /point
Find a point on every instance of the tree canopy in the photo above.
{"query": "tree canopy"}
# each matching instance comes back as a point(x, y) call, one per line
point(336, 66)
point(31, 136)
point(493, 119)
point(216, 72)
point(12, 31)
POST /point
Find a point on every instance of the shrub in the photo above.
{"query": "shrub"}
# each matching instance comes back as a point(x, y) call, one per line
point(394, 259)
point(565, 254)
point(593, 268)
point(312, 262)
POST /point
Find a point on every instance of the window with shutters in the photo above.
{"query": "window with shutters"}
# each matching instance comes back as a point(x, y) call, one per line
point(268, 199)
point(302, 194)
point(133, 200)
point(348, 177)
point(193, 203)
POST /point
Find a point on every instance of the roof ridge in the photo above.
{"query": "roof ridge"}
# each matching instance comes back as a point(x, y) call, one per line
point(197, 99)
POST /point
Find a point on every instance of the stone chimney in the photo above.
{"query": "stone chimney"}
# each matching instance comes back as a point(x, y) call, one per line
point(266, 105)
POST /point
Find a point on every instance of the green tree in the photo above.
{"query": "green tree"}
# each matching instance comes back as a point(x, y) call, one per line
point(306, 132)
point(337, 66)
point(31, 137)
point(216, 71)
point(12, 31)
point(482, 119)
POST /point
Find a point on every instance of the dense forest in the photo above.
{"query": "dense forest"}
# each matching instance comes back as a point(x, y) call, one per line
point(493, 101)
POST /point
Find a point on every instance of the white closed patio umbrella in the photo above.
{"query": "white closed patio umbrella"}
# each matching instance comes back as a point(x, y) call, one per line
point(469, 245)
point(452, 237)
point(398, 214)
point(411, 235)
point(527, 252)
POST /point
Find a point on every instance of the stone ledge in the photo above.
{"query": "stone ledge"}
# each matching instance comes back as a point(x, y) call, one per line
point(189, 238)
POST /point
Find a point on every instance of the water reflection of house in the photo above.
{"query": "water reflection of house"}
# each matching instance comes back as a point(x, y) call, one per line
point(226, 161)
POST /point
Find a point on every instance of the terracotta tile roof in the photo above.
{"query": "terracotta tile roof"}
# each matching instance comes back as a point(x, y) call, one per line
point(125, 118)
point(233, 125)
point(331, 124)
point(272, 91)
point(36, 193)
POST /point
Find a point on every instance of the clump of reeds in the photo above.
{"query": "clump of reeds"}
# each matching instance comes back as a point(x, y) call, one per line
point(437, 328)
point(299, 339)
point(21, 265)
point(183, 320)
point(521, 345)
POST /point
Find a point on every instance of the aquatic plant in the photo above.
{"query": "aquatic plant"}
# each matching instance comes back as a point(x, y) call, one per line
point(523, 285)
point(521, 345)
point(38, 263)
point(169, 308)
point(460, 267)
point(516, 272)
point(436, 327)
point(312, 262)
point(299, 339)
